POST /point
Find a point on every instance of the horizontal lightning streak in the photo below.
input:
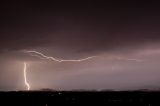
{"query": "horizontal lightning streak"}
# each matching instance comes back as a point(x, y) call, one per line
point(129, 59)
point(38, 54)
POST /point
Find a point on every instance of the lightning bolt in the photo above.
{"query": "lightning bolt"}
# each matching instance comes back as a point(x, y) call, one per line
point(25, 76)
point(42, 56)
point(129, 59)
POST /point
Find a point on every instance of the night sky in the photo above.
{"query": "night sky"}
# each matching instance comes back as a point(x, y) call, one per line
point(125, 37)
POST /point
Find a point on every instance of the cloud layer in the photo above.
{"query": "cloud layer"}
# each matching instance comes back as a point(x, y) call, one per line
point(125, 36)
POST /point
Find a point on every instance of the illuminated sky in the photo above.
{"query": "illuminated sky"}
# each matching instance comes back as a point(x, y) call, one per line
point(124, 36)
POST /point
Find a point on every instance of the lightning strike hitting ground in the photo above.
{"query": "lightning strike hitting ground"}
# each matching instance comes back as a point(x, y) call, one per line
point(43, 56)
point(25, 76)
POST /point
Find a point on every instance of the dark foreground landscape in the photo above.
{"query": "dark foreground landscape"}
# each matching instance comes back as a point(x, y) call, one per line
point(55, 98)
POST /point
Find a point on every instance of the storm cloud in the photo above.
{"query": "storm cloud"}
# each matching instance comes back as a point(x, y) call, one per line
point(117, 32)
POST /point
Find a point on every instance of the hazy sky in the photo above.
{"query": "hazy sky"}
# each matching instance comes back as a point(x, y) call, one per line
point(124, 36)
